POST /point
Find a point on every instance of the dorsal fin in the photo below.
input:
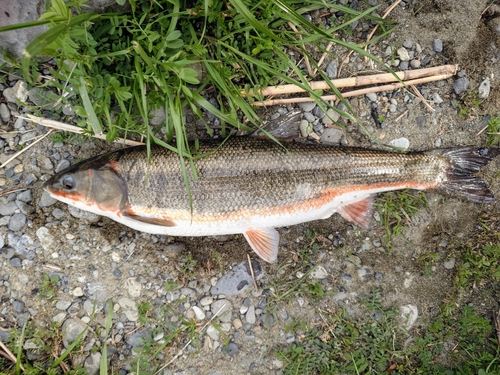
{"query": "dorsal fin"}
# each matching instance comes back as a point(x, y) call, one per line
point(358, 212)
point(264, 241)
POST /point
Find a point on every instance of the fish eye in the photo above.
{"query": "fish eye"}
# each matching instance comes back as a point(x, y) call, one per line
point(68, 182)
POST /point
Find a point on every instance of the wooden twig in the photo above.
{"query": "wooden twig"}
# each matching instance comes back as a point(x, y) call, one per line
point(415, 90)
point(74, 129)
point(348, 94)
point(440, 72)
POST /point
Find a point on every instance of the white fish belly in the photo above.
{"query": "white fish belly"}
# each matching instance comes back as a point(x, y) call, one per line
point(222, 227)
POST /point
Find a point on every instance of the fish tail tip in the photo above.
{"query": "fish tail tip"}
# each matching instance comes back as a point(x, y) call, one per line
point(465, 162)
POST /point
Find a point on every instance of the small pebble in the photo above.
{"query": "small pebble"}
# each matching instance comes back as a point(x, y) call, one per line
point(62, 165)
point(331, 70)
point(461, 85)
point(307, 107)
point(231, 349)
point(4, 112)
point(450, 263)
point(400, 142)
point(17, 222)
point(484, 89)
point(408, 43)
point(250, 315)
point(371, 96)
point(437, 45)
point(403, 54)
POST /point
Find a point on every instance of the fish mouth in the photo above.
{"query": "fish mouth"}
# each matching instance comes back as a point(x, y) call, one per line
point(51, 185)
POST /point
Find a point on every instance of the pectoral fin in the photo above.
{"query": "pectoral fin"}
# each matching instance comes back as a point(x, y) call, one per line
point(359, 212)
point(162, 222)
point(264, 241)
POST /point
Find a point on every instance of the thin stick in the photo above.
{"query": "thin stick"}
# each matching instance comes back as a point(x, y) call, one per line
point(496, 319)
point(190, 340)
point(73, 129)
point(10, 354)
point(251, 272)
point(438, 71)
point(401, 116)
point(389, 10)
point(328, 47)
point(348, 94)
point(306, 60)
point(25, 149)
point(415, 90)
point(11, 190)
point(481, 131)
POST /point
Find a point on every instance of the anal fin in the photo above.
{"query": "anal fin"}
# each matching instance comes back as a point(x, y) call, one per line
point(264, 241)
point(358, 212)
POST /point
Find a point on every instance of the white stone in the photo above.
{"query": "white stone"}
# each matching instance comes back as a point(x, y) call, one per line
point(250, 315)
point(403, 54)
point(199, 313)
point(133, 287)
point(400, 142)
point(484, 89)
point(319, 273)
point(409, 315)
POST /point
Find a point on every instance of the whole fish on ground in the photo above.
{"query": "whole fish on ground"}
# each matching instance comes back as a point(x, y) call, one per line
point(252, 186)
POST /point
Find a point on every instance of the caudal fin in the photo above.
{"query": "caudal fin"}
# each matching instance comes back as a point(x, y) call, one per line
point(465, 162)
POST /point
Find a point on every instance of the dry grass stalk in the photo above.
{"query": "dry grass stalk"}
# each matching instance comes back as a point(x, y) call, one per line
point(9, 355)
point(306, 60)
point(348, 94)
point(25, 149)
point(251, 271)
point(56, 125)
point(179, 353)
point(438, 71)
point(320, 62)
point(415, 90)
point(389, 10)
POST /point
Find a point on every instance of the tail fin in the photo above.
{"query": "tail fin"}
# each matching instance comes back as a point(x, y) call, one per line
point(465, 162)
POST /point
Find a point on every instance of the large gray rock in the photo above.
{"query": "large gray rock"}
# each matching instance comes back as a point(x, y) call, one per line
point(15, 11)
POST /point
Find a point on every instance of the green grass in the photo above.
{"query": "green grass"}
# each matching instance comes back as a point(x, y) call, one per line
point(373, 342)
point(493, 131)
point(460, 339)
point(396, 210)
point(49, 286)
point(167, 54)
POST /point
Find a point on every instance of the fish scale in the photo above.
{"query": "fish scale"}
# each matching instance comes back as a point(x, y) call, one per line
point(251, 186)
point(265, 175)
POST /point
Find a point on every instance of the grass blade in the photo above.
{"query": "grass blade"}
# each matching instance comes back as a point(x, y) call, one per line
point(94, 121)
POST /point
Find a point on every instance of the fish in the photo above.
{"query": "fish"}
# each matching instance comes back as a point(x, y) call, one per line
point(251, 186)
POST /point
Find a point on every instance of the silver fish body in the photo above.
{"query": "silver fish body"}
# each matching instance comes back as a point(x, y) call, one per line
point(251, 186)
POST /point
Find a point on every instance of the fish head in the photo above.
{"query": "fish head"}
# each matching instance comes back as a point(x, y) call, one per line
point(93, 185)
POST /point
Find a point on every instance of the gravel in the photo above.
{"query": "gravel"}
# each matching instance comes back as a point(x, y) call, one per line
point(99, 261)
